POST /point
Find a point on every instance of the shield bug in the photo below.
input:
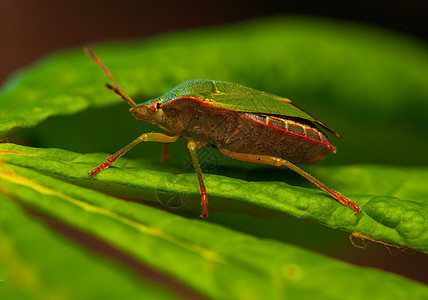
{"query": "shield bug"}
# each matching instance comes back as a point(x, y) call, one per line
point(242, 123)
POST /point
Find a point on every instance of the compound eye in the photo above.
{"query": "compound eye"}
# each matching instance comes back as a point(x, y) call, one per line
point(153, 106)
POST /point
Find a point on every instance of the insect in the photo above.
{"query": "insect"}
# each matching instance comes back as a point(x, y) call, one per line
point(242, 123)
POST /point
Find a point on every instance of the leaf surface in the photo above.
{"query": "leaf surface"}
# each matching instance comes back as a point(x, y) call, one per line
point(31, 256)
point(385, 216)
point(204, 256)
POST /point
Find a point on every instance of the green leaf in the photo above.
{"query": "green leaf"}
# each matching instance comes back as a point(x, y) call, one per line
point(385, 216)
point(31, 256)
point(204, 256)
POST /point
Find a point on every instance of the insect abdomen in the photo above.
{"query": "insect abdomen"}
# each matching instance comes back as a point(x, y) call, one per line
point(295, 126)
point(295, 140)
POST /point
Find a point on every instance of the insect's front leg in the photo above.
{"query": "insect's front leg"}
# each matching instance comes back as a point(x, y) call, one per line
point(276, 161)
point(145, 137)
point(192, 146)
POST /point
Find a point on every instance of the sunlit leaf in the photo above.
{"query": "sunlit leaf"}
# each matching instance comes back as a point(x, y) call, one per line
point(204, 256)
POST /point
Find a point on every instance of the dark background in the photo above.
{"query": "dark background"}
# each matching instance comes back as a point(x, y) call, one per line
point(31, 29)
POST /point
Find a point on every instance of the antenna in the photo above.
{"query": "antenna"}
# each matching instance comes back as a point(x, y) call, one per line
point(118, 90)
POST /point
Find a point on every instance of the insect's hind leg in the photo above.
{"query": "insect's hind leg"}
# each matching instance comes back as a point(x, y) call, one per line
point(145, 137)
point(276, 161)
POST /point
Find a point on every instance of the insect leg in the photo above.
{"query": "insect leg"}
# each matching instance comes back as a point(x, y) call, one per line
point(165, 153)
point(276, 161)
point(192, 146)
point(146, 137)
